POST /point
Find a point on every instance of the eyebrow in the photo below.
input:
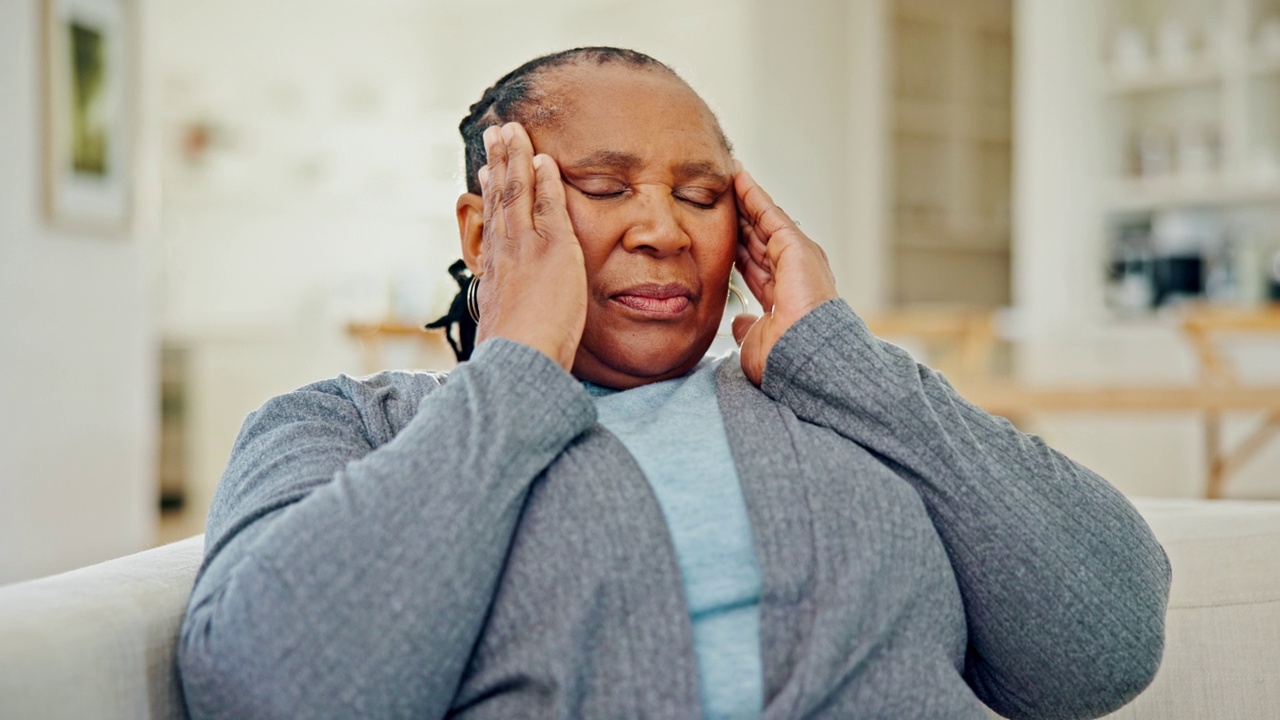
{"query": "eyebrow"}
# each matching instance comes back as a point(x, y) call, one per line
point(704, 169)
point(612, 159)
point(617, 160)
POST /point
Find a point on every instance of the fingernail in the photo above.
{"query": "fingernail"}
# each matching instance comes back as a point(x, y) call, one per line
point(508, 132)
point(483, 175)
point(490, 134)
point(537, 161)
point(737, 166)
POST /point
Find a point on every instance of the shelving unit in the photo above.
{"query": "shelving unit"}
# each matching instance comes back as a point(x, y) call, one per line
point(1151, 194)
point(1191, 96)
point(950, 159)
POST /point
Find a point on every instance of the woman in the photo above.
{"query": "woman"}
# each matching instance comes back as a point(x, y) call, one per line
point(589, 519)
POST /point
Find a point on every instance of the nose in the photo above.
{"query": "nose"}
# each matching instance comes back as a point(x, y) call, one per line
point(655, 228)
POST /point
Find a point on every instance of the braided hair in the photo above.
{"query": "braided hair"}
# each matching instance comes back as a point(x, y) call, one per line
point(516, 97)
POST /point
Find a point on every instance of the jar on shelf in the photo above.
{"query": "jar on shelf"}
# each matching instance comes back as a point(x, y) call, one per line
point(1273, 280)
point(1129, 54)
point(1152, 152)
point(1131, 283)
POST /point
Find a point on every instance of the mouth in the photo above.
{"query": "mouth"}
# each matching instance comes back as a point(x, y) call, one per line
point(655, 301)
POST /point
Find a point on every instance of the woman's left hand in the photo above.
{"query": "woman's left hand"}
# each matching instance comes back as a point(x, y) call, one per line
point(787, 272)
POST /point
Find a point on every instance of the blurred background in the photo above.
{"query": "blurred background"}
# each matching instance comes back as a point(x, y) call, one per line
point(206, 204)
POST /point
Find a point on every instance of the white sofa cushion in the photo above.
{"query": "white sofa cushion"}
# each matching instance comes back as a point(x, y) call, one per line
point(98, 642)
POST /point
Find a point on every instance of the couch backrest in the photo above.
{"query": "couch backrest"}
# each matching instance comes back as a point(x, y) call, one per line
point(98, 642)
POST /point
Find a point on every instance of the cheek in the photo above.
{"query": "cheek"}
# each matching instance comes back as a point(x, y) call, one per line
point(718, 238)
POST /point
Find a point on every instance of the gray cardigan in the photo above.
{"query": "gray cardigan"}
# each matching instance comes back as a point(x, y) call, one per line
point(402, 546)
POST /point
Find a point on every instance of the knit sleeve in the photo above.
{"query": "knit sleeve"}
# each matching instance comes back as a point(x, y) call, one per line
point(349, 567)
point(1064, 585)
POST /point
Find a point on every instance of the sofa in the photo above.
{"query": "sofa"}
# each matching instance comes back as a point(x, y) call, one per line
point(99, 642)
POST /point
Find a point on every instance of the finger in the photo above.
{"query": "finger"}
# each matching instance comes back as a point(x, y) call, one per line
point(550, 206)
point(748, 266)
point(490, 193)
point(742, 325)
point(517, 188)
point(490, 224)
point(492, 176)
point(759, 208)
point(759, 280)
point(750, 240)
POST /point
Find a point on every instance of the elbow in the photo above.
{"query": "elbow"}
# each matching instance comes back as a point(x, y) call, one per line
point(1123, 675)
point(1118, 652)
point(197, 670)
point(227, 675)
point(211, 686)
point(1099, 667)
point(1133, 658)
point(1084, 688)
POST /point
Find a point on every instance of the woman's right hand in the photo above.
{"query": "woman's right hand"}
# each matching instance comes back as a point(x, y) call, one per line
point(534, 279)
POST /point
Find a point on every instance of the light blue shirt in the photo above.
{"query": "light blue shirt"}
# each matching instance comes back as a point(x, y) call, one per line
point(676, 434)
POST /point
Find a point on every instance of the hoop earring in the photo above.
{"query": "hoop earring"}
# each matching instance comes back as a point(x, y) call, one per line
point(473, 300)
point(742, 298)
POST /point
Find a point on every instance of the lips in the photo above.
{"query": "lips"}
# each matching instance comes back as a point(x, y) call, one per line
point(657, 301)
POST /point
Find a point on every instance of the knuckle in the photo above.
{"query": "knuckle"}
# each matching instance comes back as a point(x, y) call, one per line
point(512, 191)
point(543, 232)
point(495, 197)
point(544, 206)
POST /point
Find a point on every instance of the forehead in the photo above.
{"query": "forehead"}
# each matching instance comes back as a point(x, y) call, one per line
point(617, 108)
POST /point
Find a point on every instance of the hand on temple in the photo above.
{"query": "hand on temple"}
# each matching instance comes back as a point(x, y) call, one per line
point(786, 271)
point(534, 288)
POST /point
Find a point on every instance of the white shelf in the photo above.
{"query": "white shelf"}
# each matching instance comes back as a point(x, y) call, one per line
point(1146, 194)
point(931, 244)
point(1225, 97)
point(1194, 75)
point(1199, 73)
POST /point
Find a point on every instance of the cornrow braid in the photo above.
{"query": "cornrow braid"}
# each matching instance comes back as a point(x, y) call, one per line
point(512, 98)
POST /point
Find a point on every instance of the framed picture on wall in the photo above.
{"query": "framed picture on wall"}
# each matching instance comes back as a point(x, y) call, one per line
point(89, 114)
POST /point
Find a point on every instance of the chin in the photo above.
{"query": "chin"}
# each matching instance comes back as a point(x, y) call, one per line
point(637, 360)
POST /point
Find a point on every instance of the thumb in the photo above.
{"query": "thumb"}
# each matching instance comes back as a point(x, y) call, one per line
point(741, 324)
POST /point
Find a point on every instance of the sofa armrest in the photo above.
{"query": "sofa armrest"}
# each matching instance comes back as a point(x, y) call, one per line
point(98, 642)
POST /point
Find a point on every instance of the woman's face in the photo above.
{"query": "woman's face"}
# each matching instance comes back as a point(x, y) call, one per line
point(649, 186)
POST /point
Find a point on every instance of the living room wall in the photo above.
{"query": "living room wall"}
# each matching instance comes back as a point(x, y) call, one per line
point(77, 400)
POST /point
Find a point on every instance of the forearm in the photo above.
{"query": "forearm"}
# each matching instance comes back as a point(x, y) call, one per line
point(1064, 585)
point(363, 595)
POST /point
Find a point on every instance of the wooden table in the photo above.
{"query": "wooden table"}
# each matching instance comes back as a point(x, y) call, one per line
point(372, 335)
point(966, 336)
point(1218, 390)
point(1204, 327)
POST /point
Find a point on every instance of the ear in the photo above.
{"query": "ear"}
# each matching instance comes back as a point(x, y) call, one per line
point(471, 231)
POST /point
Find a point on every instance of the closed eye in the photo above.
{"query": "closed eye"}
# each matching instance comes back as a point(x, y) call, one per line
point(598, 190)
point(704, 199)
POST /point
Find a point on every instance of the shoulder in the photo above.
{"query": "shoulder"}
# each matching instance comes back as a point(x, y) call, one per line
point(377, 406)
